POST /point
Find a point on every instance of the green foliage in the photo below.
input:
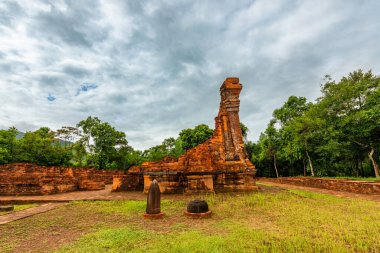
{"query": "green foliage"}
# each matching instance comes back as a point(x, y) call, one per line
point(41, 147)
point(244, 131)
point(8, 144)
point(169, 147)
point(102, 140)
point(193, 137)
point(332, 137)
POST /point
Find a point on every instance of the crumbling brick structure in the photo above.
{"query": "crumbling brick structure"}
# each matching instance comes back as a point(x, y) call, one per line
point(31, 179)
point(219, 164)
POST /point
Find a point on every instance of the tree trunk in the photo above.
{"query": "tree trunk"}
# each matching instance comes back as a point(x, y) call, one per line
point(275, 165)
point(304, 167)
point(373, 157)
point(361, 168)
point(310, 163)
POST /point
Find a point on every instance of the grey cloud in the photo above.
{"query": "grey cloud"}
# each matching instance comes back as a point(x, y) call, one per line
point(76, 71)
point(158, 65)
point(72, 26)
point(9, 13)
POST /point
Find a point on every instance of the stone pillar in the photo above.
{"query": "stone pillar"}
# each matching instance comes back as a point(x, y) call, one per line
point(233, 139)
point(153, 205)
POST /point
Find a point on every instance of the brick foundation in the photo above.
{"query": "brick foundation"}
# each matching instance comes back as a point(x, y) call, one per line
point(31, 179)
point(354, 186)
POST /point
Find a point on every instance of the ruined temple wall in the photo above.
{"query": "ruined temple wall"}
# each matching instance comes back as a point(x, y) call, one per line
point(354, 186)
point(31, 179)
point(218, 164)
point(224, 151)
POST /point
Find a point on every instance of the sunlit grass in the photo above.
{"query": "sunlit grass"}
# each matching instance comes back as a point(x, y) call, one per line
point(288, 221)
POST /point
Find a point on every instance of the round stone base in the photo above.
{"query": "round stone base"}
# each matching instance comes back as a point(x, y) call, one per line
point(6, 208)
point(153, 216)
point(198, 215)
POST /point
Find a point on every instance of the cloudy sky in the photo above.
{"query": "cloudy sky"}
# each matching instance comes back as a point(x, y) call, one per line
point(153, 68)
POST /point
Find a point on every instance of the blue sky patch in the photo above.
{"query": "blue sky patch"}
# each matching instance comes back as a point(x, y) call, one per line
point(51, 98)
point(86, 87)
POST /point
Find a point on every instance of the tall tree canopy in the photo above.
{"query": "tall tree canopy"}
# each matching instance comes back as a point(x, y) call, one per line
point(192, 137)
point(329, 137)
point(101, 139)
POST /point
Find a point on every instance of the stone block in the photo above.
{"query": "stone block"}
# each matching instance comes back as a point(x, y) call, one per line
point(130, 182)
point(199, 184)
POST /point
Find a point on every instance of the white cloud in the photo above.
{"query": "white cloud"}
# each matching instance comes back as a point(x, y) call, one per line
point(158, 65)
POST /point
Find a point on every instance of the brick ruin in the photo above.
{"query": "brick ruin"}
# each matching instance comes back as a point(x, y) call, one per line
point(344, 185)
point(219, 164)
point(31, 179)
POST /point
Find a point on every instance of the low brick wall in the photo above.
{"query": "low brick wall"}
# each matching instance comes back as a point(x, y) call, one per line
point(354, 186)
point(31, 179)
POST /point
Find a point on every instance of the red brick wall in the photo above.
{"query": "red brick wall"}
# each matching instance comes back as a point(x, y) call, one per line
point(355, 186)
point(31, 179)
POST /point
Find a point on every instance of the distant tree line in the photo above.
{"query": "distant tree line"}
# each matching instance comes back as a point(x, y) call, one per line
point(338, 135)
point(91, 143)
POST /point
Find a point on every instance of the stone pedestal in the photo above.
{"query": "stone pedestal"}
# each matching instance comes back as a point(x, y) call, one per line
point(199, 184)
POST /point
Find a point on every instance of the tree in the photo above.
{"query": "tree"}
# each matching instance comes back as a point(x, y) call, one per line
point(102, 140)
point(169, 147)
point(244, 131)
point(43, 148)
point(193, 137)
point(330, 137)
point(270, 143)
point(79, 154)
point(288, 138)
point(293, 108)
point(8, 144)
point(67, 134)
point(352, 105)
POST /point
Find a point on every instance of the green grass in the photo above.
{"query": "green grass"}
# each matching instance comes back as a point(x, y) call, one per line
point(19, 208)
point(288, 221)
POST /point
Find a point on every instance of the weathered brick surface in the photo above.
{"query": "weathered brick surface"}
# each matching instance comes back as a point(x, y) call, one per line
point(354, 186)
point(222, 154)
point(31, 179)
point(224, 151)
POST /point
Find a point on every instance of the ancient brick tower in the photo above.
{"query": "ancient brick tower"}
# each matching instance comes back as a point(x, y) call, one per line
point(219, 164)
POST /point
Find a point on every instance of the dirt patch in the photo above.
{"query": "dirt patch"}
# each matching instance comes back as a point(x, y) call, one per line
point(47, 231)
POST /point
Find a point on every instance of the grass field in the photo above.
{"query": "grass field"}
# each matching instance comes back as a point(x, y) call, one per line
point(268, 221)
